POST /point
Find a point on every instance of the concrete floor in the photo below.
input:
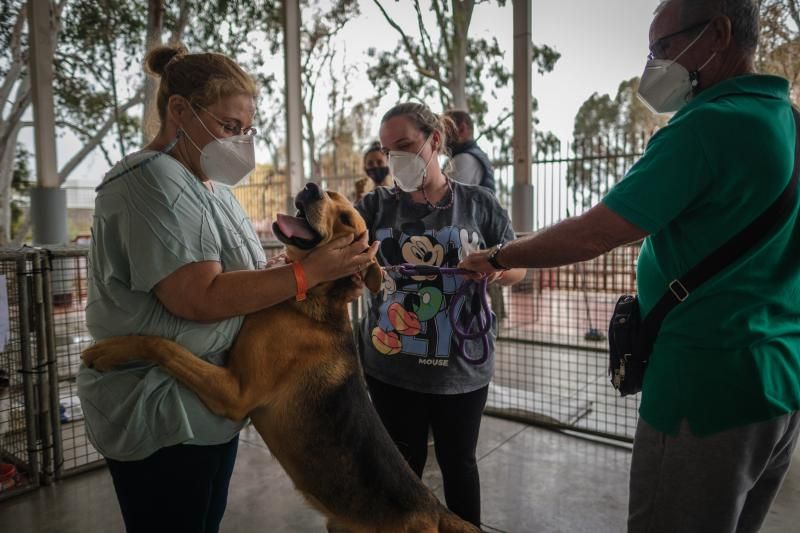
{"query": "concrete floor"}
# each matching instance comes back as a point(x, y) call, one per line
point(533, 480)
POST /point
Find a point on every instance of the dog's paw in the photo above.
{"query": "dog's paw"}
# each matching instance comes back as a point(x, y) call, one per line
point(96, 359)
point(105, 355)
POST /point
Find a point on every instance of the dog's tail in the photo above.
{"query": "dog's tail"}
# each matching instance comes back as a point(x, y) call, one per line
point(450, 523)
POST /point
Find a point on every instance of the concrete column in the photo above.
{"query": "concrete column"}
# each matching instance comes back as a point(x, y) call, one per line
point(48, 200)
point(522, 194)
point(294, 104)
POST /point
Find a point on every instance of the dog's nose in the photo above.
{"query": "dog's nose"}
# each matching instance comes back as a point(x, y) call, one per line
point(314, 191)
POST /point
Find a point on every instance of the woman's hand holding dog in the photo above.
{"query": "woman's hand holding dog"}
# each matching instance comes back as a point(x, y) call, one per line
point(339, 258)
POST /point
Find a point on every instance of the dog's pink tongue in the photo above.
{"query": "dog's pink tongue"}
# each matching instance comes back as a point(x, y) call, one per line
point(294, 227)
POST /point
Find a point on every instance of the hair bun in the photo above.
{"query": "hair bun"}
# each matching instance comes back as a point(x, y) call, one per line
point(157, 59)
point(449, 126)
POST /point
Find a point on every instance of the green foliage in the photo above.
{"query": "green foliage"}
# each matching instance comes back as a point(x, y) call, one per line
point(607, 132)
point(422, 68)
point(779, 43)
point(20, 184)
point(248, 30)
point(96, 65)
point(8, 16)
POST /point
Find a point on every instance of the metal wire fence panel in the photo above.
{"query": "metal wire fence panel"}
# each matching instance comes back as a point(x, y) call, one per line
point(68, 271)
point(262, 201)
point(552, 359)
point(20, 438)
point(552, 352)
point(265, 196)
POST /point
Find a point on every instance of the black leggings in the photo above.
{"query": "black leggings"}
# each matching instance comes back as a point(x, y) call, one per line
point(455, 420)
point(178, 489)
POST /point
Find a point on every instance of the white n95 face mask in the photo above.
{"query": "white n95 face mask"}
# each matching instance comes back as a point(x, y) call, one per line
point(229, 160)
point(666, 85)
point(409, 169)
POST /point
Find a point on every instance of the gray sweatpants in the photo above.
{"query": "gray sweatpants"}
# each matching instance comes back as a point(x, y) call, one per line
point(721, 483)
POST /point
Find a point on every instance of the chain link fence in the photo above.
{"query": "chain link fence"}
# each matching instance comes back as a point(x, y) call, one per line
point(68, 271)
point(552, 351)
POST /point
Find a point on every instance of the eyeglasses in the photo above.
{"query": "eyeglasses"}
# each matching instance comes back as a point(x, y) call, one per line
point(658, 50)
point(231, 127)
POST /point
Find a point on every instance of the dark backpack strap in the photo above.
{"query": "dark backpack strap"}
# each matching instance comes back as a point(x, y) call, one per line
point(766, 223)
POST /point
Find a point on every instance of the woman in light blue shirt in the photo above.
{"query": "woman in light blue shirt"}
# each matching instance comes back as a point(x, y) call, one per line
point(173, 254)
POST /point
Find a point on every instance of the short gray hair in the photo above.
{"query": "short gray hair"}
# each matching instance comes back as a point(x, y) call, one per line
point(660, 7)
point(743, 15)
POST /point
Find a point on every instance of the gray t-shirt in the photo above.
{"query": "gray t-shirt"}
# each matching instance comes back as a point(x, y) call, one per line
point(468, 169)
point(406, 338)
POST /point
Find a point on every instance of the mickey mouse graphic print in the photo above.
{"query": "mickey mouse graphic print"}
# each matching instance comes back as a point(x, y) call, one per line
point(406, 339)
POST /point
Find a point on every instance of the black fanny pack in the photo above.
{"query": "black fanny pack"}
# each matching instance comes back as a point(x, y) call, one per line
point(631, 337)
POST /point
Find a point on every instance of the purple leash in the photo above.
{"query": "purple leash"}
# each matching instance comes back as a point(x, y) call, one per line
point(483, 318)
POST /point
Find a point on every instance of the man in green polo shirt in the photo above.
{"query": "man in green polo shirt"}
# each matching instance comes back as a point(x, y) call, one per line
point(719, 408)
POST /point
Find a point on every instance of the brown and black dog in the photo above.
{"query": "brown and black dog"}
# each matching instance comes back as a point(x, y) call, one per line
point(294, 371)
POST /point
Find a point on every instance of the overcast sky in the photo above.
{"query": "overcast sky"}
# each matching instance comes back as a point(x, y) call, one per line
point(602, 43)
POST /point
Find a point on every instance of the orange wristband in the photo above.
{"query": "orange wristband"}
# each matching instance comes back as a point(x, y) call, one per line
point(300, 281)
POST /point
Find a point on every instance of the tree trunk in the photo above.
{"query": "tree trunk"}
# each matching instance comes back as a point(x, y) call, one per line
point(462, 16)
point(13, 81)
point(6, 191)
point(155, 28)
point(312, 160)
point(311, 144)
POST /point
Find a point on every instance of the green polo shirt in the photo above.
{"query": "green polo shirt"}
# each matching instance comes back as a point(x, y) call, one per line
point(730, 354)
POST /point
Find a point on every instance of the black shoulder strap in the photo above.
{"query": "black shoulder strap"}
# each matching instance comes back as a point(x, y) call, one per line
point(766, 223)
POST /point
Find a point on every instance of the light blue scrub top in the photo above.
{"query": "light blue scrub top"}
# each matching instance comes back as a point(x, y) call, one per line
point(153, 216)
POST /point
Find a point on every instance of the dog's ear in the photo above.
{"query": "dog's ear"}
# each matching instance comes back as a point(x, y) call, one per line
point(373, 277)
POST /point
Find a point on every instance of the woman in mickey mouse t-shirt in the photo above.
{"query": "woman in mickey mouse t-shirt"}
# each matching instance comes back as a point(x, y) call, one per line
point(416, 374)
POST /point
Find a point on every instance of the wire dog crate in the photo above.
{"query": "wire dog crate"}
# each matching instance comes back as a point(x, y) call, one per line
point(25, 458)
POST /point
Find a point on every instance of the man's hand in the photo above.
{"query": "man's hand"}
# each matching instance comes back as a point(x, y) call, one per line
point(477, 262)
point(495, 276)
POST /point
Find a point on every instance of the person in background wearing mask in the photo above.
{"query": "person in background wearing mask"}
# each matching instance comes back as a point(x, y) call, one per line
point(418, 377)
point(719, 406)
point(174, 255)
point(471, 164)
point(377, 170)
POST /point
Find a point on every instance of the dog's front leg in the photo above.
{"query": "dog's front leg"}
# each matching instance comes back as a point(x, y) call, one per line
point(218, 388)
point(107, 354)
